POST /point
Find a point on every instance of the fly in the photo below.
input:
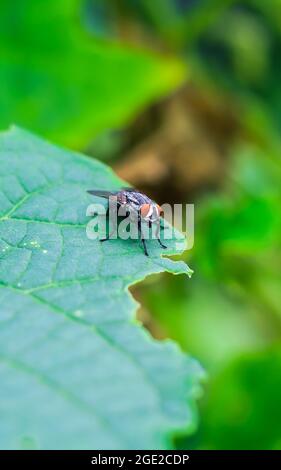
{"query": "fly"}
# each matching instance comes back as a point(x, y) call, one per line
point(144, 209)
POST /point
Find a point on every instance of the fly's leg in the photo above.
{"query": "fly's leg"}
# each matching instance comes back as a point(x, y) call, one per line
point(109, 235)
point(162, 227)
point(157, 233)
point(141, 236)
point(161, 244)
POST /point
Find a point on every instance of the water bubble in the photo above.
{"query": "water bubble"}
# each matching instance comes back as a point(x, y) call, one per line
point(78, 313)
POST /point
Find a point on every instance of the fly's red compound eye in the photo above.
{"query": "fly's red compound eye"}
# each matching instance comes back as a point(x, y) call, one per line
point(146, 210)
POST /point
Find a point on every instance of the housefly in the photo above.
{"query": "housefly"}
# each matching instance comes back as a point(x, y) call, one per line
point(141, 209)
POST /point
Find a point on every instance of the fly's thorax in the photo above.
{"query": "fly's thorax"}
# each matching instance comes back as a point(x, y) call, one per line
point(128, 210)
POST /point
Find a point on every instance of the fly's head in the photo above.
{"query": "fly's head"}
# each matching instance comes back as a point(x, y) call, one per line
point(151, 212)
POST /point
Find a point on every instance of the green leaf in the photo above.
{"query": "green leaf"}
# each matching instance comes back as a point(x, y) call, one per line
point(76, 369)
point(57, 79)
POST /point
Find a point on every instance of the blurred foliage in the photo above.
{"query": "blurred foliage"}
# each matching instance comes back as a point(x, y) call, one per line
point(89, 74)
point(244, 404)
point(58, 80)
point(232, 44)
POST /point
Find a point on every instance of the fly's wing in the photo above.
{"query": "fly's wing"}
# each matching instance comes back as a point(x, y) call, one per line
point(102, 193)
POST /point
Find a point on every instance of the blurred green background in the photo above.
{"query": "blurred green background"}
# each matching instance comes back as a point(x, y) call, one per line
point(183, 99)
